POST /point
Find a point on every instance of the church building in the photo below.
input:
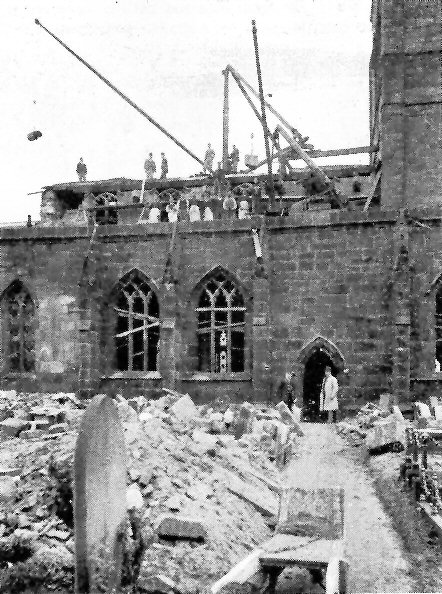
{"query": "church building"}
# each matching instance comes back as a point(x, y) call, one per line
point(106, 294)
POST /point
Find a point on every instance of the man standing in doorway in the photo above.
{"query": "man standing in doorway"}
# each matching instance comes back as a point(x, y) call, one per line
point(328, 399)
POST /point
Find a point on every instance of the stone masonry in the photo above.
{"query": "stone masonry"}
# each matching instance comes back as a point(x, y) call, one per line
point(357, 286)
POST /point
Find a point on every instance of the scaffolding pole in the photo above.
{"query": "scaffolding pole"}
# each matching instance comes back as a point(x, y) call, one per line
point(225, 163)
point(122, 95)
point(271, 204)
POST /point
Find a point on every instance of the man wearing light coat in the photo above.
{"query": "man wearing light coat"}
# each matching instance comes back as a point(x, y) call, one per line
point(329, 395)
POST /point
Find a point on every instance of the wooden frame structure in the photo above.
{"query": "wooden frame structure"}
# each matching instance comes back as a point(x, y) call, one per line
point(309, 533)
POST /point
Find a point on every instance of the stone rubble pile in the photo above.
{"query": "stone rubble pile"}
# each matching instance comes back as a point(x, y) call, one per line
point(381, 428)
point(204, 482)
point(31, 416)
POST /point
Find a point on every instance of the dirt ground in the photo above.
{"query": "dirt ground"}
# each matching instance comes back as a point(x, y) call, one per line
point(375, 552)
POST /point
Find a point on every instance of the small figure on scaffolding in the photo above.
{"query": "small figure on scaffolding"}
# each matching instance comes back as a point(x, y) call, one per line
point(81, 170)
point(282, 159)
point(150, 167)
point(208, 159)
point(164, 166)
point(234, 159)
point(219, 181)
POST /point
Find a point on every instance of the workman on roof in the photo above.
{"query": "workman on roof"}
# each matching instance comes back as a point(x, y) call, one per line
point(208, 159)
point(164, 166)
point(81, 170)
point(150, 167)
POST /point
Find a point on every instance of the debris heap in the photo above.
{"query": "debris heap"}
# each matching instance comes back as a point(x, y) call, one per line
point(205, 483)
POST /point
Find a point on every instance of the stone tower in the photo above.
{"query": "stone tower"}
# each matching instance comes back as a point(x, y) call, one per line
point(406, 100)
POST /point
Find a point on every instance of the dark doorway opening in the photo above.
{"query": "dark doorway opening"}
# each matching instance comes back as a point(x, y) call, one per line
point(313, 375)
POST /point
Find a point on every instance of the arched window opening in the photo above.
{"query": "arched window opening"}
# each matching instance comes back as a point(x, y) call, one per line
point(221, 326)
point(438, 326)
point(18, 313)
point(137, 327)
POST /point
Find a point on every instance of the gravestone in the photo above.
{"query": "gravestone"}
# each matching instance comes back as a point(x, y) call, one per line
point(99, 498)
point(312, 512)
point(385, 401)
point(245, 420)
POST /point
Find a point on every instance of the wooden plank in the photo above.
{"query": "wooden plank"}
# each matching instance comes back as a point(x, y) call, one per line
point(336, 576)
point(373, 190)
point(245, 470)
point(247, 575)
point(343, 151)
point(265, 504)
point(295, 550)
point(304, 155)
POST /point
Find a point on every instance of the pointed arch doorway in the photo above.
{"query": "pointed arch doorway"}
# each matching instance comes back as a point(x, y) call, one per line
point(313, 359)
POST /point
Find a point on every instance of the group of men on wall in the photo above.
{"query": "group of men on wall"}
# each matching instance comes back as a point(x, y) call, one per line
point(328, 396)
point(150, 167)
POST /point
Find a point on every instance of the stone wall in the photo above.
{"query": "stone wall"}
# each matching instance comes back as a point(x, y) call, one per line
point(328, 280)
point(406, 93)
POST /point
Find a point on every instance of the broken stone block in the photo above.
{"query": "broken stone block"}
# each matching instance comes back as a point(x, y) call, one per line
point(216, 423)
point(226, 440)
point(228, 417)
point(126, 412)
point(8, 395)
point(145, 416)
point(12, 427)
point(205, 440)
point(180, 527)
point(146, 477)
point(199, 491)
point(16, 471)
point(134, 498)
point(58, 428)
point(134, 474)
point(155, 584)
point(5, 413)
point(31, 434)
point(137, 403)
point(284, 411)
point(385, 401)
point(438, 412)
point(385, 432)
point(174, 503)
point(296, 413)
point(244, 422)
point(184, 409)
point(422, 410)
point(61, 535)
point(8, 489)
point(398, 414)
point(26, 534)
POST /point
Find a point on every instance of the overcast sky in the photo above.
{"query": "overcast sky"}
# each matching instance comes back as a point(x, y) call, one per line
point(167, 56)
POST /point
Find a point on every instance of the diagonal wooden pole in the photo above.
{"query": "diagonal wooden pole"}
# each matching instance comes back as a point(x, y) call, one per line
point(122, 95)
point(271, 205)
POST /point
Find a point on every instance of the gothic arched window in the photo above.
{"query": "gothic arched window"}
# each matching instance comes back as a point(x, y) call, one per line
point(221, 326)
point(438, 325)
point(137, 329)
point(18, 314)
